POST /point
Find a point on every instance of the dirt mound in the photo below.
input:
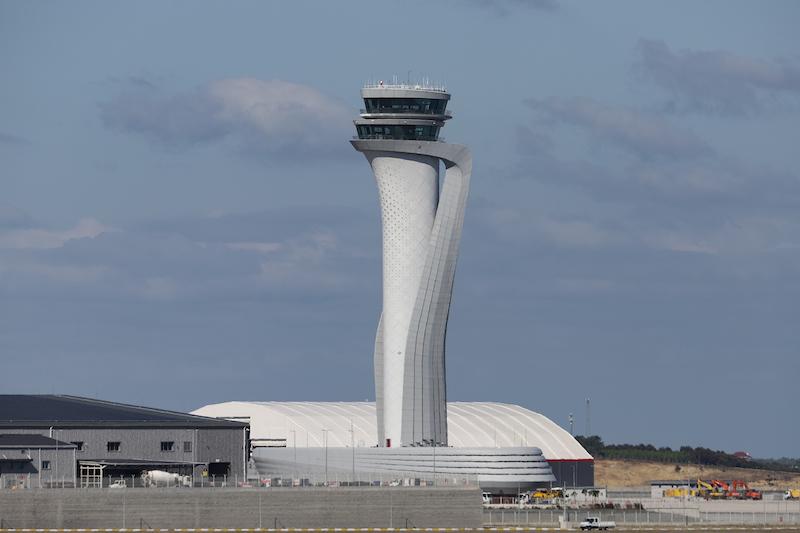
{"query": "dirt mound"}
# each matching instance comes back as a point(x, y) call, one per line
point(615, 473)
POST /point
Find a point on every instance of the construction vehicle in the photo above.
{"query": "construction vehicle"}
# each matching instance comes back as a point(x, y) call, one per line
point(680, 493)
point(704, 489)
point(744, 492)
point(159, 478)
point(722, 490)
point(547, 494)
point(792, 494)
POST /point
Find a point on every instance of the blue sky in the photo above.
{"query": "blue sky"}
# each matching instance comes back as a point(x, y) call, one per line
point(182, 219)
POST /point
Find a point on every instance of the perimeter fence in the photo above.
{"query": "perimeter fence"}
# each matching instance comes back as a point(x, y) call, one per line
point(673, 517)
point(402, 479)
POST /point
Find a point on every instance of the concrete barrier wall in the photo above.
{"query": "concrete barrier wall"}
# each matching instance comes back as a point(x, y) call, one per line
point(241, 508)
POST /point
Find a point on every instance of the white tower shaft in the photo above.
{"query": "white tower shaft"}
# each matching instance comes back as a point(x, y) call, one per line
point(408, 186)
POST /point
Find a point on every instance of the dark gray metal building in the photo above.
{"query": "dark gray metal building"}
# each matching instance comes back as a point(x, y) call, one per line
point(109, 440)
point(35, 461)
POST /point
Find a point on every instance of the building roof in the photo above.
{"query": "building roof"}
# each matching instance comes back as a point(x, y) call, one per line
point(47, 410)
point(137, 462)
point(32, 441)
point(469, 424)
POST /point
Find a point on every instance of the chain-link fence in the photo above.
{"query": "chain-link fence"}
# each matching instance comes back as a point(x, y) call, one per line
point(28, 482)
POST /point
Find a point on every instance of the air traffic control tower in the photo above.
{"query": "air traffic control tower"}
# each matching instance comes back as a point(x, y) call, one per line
point(398, 132)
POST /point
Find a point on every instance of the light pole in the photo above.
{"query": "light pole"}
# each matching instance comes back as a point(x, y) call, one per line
point(434, 463)
point(294, 445)
point(588, 416)
point(325, 443)
point(55, 437)
point(353, 446)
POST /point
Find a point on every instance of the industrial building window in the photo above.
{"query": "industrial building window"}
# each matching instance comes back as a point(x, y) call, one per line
point(187, 446)
point(78, 444)
point(112, 446)
point(167, 446)
point(45, 465)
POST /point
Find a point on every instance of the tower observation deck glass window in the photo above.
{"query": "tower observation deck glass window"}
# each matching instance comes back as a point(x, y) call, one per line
point(405, 105)
point(415, 133)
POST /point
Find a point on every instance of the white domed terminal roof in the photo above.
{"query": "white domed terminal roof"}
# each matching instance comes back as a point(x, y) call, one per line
point(469, 424)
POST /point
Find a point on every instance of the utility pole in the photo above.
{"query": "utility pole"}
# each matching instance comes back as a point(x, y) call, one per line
point(571, 425)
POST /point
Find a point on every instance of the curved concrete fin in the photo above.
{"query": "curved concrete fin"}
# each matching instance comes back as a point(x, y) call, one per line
point(378, 369)
point(425, 413)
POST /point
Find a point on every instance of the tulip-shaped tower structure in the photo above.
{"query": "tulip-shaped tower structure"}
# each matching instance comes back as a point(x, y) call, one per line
point(398, 132)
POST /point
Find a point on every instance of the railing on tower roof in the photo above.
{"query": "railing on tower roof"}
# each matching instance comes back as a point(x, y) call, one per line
point(422, 86)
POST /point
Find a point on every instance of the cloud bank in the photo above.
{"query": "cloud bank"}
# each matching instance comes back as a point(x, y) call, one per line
point(272, 117)
point(645, 135)
point(716, 81)
point(506, 7)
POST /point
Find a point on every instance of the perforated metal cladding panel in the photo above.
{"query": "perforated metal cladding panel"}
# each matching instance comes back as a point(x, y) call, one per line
point(421, 234)
point(408, 187)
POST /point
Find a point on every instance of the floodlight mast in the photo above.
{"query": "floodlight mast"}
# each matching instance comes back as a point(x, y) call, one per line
point(398, 133)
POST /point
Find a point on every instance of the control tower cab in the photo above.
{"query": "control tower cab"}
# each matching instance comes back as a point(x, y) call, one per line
point(402, 112)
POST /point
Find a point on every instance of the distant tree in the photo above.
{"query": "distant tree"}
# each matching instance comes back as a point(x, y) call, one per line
point(685, 454)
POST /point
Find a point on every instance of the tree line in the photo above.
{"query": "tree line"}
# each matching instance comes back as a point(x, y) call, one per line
point(685, 454)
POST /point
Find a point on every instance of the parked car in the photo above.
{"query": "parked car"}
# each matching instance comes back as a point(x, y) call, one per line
point(594, 522)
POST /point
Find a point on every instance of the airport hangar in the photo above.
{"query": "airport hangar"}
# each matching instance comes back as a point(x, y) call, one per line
point(53, 440)
point(337, 425)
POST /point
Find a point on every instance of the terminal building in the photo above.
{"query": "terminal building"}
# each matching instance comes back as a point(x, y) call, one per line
point(50, 440)
point(292, 439)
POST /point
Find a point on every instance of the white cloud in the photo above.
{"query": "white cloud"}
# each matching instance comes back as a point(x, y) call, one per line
point(258, 116)
point(38, 238)
point(159, 288)
point(519, 224)
point(716, 81)
point(645, 134)
point(573, 232)
point(259, 247)
point(276, 108)
point(743, 235)
point(508, 7)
